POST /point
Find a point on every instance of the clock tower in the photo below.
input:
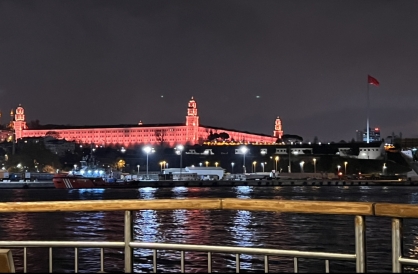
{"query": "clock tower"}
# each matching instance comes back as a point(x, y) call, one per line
point(19, 122)
point(278, 132)
point(192, 122)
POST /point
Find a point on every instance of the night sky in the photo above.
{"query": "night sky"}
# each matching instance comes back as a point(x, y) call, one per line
point(110, 62)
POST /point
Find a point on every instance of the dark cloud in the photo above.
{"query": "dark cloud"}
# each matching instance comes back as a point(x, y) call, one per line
point(108, 62)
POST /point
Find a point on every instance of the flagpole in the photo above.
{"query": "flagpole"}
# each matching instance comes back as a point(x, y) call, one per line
point(368, 111)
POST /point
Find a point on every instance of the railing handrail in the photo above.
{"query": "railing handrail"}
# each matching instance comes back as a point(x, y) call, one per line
point(396, 210)
point(314, 207)
point(289, 206)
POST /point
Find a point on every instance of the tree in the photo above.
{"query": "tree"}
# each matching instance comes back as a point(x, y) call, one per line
point(120, 164)
point(160, 136)
point(213, 136)
point(53, 134)
point(30, 155)
point(48, 168)
point(224, 136)
point(34, 124)
point(287, 138)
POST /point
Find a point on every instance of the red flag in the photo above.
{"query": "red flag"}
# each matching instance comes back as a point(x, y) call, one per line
point(372, 81)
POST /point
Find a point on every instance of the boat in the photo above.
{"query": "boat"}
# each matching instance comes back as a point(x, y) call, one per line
point(410, 156)
point(90, 175)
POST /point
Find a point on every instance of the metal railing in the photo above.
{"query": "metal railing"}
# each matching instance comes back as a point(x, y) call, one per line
point(356, 209)
point(398, 212)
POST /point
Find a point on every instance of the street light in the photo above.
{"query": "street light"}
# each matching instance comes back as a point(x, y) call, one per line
point(216, 164)
point(207, 163)
point(138, 169)
point(338, 168)
point(276, 159)
point(180, 148)
point(147, 150)
point(301, 166)
point(232, 165)
point(384, 168)
point(164, 162)
point(161, 166)
point(254, 167)
point(262, 165)
point(314, 164)
point(200, 164)
point(244, 150)
point(345, 168)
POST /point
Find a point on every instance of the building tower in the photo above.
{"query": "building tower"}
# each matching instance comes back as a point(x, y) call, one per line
point(19, 122)
point(12, 115)
point(278, 132)
point(192, 122)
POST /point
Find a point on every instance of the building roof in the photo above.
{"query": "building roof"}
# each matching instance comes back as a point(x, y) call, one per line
point(204, 168)
point(52, 127)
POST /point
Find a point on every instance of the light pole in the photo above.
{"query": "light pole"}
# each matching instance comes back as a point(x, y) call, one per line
point(138, 169)
point(290, 163)
point(244, 150)
point(232, 167)
point(166, 165)
point(262, 165)
point(161, 166)
point(147, 150)
point(200, 164)
point(345, 168)
point(301, 166)
point(164, 162)
point(338, 169)
point(207, 163)
point(384, 168)
point(180, 148)
point(314, 164)
point(216, 164)
point(276, 159)
point(254, 167)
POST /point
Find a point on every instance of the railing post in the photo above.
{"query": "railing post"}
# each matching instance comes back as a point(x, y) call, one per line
point(128, 239)
point(396, 245)
point(360, 228)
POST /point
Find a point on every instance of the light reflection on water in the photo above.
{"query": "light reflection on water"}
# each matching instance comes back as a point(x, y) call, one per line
point(244, 235)
point(231, 228)
point(147, 192)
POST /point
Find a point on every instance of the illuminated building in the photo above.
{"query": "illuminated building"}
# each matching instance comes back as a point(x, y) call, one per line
point(374, 135)
point(189, 133)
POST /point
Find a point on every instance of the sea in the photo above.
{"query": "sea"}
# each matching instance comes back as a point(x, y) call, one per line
point(307, 232)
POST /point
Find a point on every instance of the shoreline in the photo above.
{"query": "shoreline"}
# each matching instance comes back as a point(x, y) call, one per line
point(50, 184)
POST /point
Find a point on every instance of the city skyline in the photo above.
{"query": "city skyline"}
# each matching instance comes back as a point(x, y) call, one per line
point(245, 62)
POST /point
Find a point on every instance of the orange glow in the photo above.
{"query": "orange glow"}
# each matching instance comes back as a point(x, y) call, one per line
point(141, 134)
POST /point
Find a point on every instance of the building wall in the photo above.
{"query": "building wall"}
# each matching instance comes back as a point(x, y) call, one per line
point(189, 133)
point(117, 136)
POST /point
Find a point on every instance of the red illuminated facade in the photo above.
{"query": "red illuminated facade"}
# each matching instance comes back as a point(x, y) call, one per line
point(278, 132)
point(19, 123)
point(192, 132)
